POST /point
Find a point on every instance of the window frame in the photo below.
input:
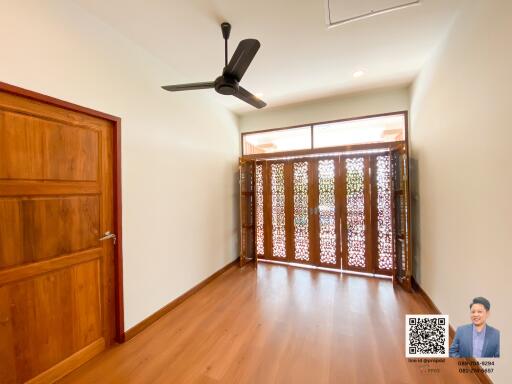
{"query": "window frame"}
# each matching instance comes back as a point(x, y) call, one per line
point(313, 150)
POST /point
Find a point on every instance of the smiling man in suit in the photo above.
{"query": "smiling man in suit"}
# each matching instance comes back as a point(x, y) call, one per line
point(477, 339)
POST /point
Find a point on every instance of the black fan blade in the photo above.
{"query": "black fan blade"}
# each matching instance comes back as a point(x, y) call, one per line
point(190, 86)
point(248, 97)
point(242, 57)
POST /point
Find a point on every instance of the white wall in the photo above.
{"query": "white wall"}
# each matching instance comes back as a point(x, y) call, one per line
point(461, 136)
point(179, 151)
point(351, 105)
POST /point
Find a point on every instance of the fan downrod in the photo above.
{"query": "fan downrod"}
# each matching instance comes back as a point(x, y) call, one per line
point(226, 30)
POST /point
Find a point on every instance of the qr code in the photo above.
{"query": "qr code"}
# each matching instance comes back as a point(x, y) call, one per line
point(426, 335)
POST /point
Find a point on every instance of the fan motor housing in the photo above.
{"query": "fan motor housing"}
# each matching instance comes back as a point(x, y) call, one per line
point(226, 85)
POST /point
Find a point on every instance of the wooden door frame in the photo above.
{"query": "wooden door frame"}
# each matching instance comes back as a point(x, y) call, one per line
point(117, 203)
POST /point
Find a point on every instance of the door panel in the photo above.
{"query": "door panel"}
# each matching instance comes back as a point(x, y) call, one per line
point(21, 146)
point(33, 148)
point(10, 232)
point(382, 215)
point(326, 216)
point(54, 315)
point(357, 214)
point(71, 153)
point(47, 227)
point(258, 215)
point(246, 171)
point(301, 212)
point(402, 268)
point(56, 201)
point(278, 211)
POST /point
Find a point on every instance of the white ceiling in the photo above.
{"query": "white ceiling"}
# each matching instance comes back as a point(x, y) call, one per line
point(299, 58)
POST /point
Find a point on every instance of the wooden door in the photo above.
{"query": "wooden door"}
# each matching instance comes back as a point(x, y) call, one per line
point(57, 302)
point(300, 204)
point(402, 265)
point(356, 214)
point(276, 205)
point(246, 172)
point(325, 235)
point(383, 248)
point(367, 213)
point(259, 209)
point(327, 211)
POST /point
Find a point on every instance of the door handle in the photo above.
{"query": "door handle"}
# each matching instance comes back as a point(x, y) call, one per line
point(108, 235)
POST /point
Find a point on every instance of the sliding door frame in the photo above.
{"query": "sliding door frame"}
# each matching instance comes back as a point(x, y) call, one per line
point(341, 153)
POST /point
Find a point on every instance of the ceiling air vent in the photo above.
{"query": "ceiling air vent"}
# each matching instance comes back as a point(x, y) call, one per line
point(344, 11)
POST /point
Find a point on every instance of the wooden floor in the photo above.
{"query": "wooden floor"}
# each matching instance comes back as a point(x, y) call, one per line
point(276, 324)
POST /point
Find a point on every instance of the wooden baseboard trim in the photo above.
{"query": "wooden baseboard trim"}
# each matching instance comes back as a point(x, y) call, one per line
point(70, 364)
point(482, 376)
point(136, 329)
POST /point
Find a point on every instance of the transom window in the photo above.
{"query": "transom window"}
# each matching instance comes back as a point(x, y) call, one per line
point(367, 130)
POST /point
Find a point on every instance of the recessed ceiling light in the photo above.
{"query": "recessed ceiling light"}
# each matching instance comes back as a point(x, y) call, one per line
point(358, 74)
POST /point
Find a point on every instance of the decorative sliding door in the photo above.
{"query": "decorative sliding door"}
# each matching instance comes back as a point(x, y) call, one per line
point(246, 172)
point(382, 214)
point(296, 216)
point(302, 210)
point(327, 211)
point(277, 202)
point(315, 221)
point(356, 219)
point(402, 268)
point(326, 216)
point(259, 216)
point(367, 214)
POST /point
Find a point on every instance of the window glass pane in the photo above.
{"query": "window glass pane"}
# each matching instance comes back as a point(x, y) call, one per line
point(380, 129)
point(277, 141)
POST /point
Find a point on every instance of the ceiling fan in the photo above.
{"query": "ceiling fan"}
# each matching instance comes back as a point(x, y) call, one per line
point(228, 82)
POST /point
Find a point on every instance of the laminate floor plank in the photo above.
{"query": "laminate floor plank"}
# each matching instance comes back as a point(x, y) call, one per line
point(276, 324)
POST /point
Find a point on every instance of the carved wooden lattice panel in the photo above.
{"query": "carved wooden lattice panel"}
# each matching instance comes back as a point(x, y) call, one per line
point(246, 212)
point(401, 214)
point(300, 210)
point(399, 223)
point(278, 210)
point(260, 248)
point(356, 231)
point(326, 211)
point(384, 214)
